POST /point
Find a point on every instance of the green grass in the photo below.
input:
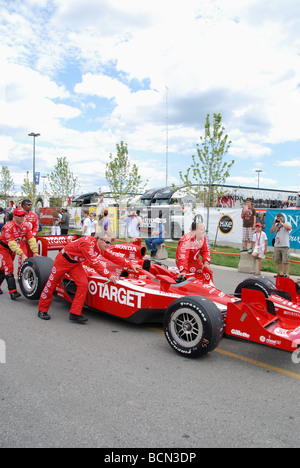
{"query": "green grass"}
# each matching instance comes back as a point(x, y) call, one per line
point(233, 260)
point(226, 260)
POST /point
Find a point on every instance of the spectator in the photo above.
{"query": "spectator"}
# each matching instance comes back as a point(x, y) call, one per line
point(2, 218)
point(55, 230)
point(93, 222)
point(86, 227)
point(101, 206)
point(133, 224)
point(249, 220)
point(281, 254)
point(158, 236)
point(105, 222)
point(259, 245)
point(64, 221)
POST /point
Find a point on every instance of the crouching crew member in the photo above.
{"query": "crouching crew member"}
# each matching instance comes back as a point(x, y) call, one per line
point(92, 250)
point(12, 235)
point(190, 247)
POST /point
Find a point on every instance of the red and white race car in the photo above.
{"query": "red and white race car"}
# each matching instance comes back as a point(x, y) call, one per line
point(195, 313)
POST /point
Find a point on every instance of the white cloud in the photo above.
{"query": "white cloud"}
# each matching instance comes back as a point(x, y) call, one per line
point(240, 59)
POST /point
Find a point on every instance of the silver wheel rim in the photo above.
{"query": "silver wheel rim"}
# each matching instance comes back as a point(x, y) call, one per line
point(28, 279)
point(186, 327)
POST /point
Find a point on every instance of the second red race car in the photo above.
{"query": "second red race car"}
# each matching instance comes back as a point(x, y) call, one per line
point(194, 312)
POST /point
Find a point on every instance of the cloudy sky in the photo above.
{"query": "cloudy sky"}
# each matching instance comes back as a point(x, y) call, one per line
point(89, 74)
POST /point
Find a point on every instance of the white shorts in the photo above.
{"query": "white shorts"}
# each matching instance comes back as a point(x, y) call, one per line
point(259, 251)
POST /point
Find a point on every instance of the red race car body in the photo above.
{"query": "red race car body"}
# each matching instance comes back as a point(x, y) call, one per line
point(195, 313)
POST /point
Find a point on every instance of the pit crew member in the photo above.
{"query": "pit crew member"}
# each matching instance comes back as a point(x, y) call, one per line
point(33, 221)
point(12, 235)
point(190, 247)
point(92, 250)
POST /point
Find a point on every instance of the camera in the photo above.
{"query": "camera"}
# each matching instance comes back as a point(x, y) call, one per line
point(277, 220)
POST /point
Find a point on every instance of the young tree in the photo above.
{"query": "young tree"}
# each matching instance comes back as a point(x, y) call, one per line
point(28, 189)
point(6, 183)
point(208, 170)
point(62, 182)
point(124, 181)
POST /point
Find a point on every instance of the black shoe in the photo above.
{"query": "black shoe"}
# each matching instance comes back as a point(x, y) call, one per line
point(43, 315)
point(15, 295)
point(153, 252)
point(77, 318)
point(1, 292)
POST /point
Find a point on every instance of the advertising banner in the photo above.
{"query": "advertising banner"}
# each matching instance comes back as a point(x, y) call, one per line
point(291, 216)
point(225, 225)
point(46, 216)
point(75, 218)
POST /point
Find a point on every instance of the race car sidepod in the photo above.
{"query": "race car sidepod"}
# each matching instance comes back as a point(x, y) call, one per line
point(255, 319)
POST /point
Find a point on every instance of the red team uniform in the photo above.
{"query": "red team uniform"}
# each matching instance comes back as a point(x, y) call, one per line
point(32, 219)
point(10, 244)
point(188, 252)
point(70, 261)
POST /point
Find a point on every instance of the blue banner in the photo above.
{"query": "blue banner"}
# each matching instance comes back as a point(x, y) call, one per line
point(291, 216)
point(37, 178)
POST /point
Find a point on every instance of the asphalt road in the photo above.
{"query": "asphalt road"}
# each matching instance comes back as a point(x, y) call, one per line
point(112, 384)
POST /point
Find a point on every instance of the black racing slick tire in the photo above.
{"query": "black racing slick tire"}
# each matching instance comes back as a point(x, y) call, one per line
point(33, 276)
point(257, 284)
point(193, 326)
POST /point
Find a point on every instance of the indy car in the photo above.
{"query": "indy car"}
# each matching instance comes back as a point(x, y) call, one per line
point(195, 314)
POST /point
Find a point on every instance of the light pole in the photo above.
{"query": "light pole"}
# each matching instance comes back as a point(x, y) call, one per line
point(258, 172)
point(34, 135)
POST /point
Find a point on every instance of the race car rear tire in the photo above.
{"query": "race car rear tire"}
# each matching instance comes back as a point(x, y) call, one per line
point(257, 284)
point(193, 326)
point(33, 276)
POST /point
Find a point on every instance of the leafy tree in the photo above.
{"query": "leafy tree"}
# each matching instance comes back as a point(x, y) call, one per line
point(62, 182)
point(28, 188)
point(6, 183)
point(208, 171)
point(124, 181)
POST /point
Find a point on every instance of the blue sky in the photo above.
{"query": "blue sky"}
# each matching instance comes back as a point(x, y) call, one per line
point(87, 75)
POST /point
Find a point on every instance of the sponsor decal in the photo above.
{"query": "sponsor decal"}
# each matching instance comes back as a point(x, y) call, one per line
point(226, 224)
point(240, 334)
point(115, 294)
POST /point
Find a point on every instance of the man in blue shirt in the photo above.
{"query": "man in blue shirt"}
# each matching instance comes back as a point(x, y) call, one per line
point(158, 236)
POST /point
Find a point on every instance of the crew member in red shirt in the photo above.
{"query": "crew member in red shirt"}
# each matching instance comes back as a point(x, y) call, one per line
point(92, 250)
point(31, 217)
point(10, 244)
point(190, 247)
point(33, 221)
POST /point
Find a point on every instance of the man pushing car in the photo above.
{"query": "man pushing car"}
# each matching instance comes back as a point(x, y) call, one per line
point(190, 248)
point(11, 240)
point(92, 250)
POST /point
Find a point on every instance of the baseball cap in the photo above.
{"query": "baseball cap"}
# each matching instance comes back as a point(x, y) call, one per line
point(258, 224)
point(19, 212)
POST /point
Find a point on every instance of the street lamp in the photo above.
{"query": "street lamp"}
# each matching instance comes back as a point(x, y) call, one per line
point(258, 172)
point(34, 135)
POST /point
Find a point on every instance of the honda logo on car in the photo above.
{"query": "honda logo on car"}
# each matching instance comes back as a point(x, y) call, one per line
point(115, 294)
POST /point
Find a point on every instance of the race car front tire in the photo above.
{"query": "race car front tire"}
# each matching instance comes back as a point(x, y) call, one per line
point(33, 276)
point(193, 326)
